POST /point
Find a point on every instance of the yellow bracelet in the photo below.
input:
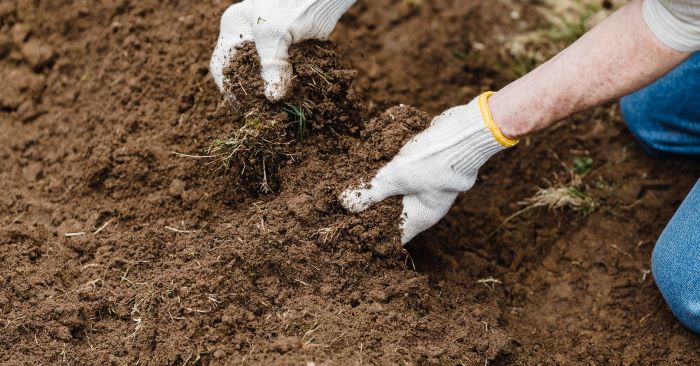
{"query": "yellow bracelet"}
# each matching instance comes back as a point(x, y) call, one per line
point(483, 101)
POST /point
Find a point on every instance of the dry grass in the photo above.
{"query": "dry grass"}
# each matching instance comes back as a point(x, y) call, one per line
point(326, 234)
point(255, 149)
point(563, 195)
point(308, 339)
point(560, 195)
point(256, 139)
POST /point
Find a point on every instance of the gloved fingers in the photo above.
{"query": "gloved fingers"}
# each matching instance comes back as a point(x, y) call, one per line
point(236, 28)
point(273, 48)
point(360, 198)
point(420, 212)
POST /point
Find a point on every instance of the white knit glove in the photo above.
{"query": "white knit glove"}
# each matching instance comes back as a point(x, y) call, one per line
point(273, 25)
point(432, 168)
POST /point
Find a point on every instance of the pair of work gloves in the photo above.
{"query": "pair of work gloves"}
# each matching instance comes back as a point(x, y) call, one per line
point(429, 171)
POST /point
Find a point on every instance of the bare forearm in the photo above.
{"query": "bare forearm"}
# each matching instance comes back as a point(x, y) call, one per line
point(615, 58)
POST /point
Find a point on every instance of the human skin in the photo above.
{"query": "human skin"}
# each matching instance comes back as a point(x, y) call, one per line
point(615, 58)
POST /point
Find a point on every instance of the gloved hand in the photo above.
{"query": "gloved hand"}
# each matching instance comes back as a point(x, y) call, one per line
point(273, 25)
point(432, 168)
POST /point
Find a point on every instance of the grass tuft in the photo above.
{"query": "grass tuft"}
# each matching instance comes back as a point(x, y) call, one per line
point(561, 196)
point(570, 19)
point(567, 21)
point(414, 3)
point(298, 114)
point(258, 145)
point(582, 165)
point(257, 148)
point(571, 195)
point(251, 141)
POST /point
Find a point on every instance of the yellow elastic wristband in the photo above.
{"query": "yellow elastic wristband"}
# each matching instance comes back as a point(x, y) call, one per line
point(483, 101)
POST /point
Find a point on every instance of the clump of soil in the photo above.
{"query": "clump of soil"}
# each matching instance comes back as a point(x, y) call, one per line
point(320, 84)
point(262, 135)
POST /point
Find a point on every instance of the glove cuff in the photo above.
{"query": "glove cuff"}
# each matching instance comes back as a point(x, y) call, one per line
point(483, 102)
point(477, 137)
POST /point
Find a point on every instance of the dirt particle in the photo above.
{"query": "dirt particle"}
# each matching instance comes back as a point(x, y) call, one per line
point(6, 45)
point(37, 53)
point(378, 295)
point(301, 206)
point(177, 188)
point(20, 32)
point(20, 85)
point(285, 344)
point(219, 354)
point(186, 103)
point(33, 171)
point(7, 12)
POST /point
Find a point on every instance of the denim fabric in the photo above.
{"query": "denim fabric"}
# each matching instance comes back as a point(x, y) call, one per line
point(665, 118)
point(675, 262)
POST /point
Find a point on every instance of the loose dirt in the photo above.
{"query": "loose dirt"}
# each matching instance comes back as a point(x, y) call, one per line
point(117, 249)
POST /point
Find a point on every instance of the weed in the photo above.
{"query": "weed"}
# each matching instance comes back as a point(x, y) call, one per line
point(414, 3)
point(308, 338)
point(562, 195)
point(582, 165)
point(571, 194)
point(326, 234)
point(557, 196)
point(490, 282)
point(298, 113)
point(462, 56)
point(252, 140)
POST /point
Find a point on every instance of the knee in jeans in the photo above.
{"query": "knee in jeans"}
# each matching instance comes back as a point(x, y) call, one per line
point(660, 269)
point(673, 285)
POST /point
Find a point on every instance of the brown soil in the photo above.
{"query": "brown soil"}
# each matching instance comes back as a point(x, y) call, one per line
point(181, 262)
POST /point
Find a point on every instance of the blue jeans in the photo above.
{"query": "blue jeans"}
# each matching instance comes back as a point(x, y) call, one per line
point(665, 118)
